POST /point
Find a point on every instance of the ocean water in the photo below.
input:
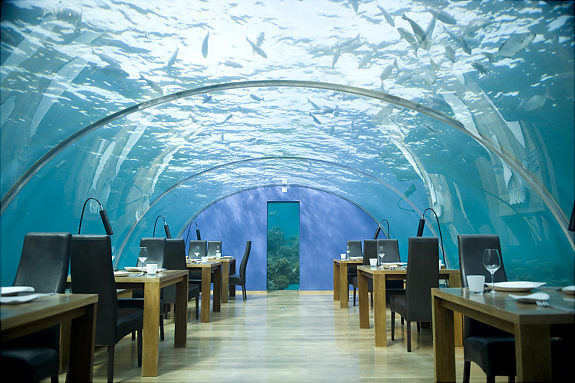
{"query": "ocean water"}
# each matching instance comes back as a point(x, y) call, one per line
point(482, 129)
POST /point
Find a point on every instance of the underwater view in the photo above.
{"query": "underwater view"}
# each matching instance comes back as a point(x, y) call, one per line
point(393, 106)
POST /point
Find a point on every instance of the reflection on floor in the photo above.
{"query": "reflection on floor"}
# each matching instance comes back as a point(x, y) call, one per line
point(283, 336)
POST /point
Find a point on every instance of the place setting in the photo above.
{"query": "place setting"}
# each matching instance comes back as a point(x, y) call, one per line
point(11, 295)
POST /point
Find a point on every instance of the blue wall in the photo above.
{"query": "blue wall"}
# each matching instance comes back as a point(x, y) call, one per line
point(326, 223)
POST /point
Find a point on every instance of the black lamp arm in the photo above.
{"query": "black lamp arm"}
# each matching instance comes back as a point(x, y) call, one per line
point(156, 222)
point(420, 230)
point(103, 216)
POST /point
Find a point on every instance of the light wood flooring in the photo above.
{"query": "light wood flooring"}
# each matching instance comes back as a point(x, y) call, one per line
point(283, 337)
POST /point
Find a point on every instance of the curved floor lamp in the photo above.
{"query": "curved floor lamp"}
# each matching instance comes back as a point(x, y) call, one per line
point(379, 229)
point(166, 227)
point(422, 225)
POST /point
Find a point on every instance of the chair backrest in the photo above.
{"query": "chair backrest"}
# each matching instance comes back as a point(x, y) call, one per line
point(390, 249)
point(422, 276)
point(44, 262)
point(156, 250)
point(471, 248)
point(174, 259)
point(369, 250)
point(93, 273)
point(244, 262)
point(354, 248)
point(213, 246)
point(196, 246)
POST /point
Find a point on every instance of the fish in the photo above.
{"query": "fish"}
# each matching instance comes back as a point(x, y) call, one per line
point(480, 67)
point(253, 96)
point(459, 41)
point(315, 106)
point(386, 72)
point(442, 16)
point(173, 58)
point(365, 60)
point(207, 98)
point(232, 64)
point(315, 118)
point(257, 49)
point(229, 117)
point(260, 39)
point(434, 65)
point(387, 16)
point(515, 43)
point(450, 53)
point(335, 58)
point(153, 85)
point(355, 5)
point(428, 33)
point(407, 36)
point(205, 45)
point(395, 65)
point(535, 102)
point(471, 29)
point(417, 30)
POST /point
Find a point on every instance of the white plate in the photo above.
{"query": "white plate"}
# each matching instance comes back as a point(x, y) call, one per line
point(11, 290)
point(356, 258)
point(515, 286)
point(531, 298)
point(569, 290)
point(134, 268)
point(384, 264)
point(121, 273)
point(19, 299)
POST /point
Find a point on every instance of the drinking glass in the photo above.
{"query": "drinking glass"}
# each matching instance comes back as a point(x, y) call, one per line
point(143, 256)
point(491, 262)
point(347, 252)
point(380, 255)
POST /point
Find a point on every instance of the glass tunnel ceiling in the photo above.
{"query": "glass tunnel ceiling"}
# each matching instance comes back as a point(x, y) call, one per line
point(500, 71)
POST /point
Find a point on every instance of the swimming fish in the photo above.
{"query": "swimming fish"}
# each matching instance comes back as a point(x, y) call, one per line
point(253, 96)
point(386, 72)
point(428, 33)
point(207, 98)
point(459, 41)
point(233, 64)
point(315, 106)
point(355, 5)
point(365, 60)
point(387, 16)
point(417, 30)
point(315, 118)
point(152, 84)
point(515, 43)
point(335, 57)
point(205, 45)
point(407, 36)
point(443, 16)
point(480, 67)
point(229, 117)
point(257, 49)
point(536, 102)
point(450, 53)
point(173, 58)
point(260, 39)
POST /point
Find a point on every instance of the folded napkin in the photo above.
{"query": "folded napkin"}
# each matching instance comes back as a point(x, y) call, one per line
point(531, 298)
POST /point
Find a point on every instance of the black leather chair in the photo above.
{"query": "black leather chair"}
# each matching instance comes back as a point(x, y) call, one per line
point(175, 259)
point(240, 279)
point(354, 251)
point(490, 348)
point(92, 273)
point(36, 356)
point(422, 276)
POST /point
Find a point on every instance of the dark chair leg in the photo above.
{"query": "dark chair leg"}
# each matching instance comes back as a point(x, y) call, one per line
point(133, 335)
point(392, 325)
point(466, 371)
point(402, 321)
point(161, 327)
point(110, 364)
point(408, 336)
point(354, 295)
point(54, 379)
point(197, 308)
point(371, 297)
point(139, 348)
point(245, 295)
point(418, 326)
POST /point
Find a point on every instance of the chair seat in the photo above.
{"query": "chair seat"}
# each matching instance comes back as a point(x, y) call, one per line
point(128, 319)
point(397, 303)
point(496, 354)
point(235, 279)
point(25, 364)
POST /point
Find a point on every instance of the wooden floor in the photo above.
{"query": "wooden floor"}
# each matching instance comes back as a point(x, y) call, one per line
point(283, 337)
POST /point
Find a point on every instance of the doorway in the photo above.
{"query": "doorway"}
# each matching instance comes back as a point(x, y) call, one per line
point(283, 222)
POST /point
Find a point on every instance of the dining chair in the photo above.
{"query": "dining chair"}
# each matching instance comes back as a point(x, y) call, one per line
point(175, 259)
point(213, 247)
point(422, 276)
point(493, 350)
point(240, 279)
point(43, 265)
point(197, 246)
point(92, 273)
point(354, 251)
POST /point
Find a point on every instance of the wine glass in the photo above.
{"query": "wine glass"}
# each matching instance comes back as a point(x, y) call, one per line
point(143, 256)
point(347, 251)
point(492, 262)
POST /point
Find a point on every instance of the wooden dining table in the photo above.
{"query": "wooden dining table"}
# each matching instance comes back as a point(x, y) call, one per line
point(46, 311)
point(208, 269)
point(529, 323)
point(228, 267)
point(380, 275)
point(340, 281)
point(152, 285)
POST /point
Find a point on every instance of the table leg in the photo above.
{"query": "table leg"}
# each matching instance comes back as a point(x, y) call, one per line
point(82, 338)
point(455, 281)
point(217, 288)
point(181, 313)
point(151, 334)
point(335, 281)
point(225, 281)
point(533, 366)
point(206, 289)
point(443, 347)
point(379, 314)
point(343, 286)
point(363, 300)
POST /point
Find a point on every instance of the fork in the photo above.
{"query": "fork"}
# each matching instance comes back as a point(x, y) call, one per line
point(546, 304)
